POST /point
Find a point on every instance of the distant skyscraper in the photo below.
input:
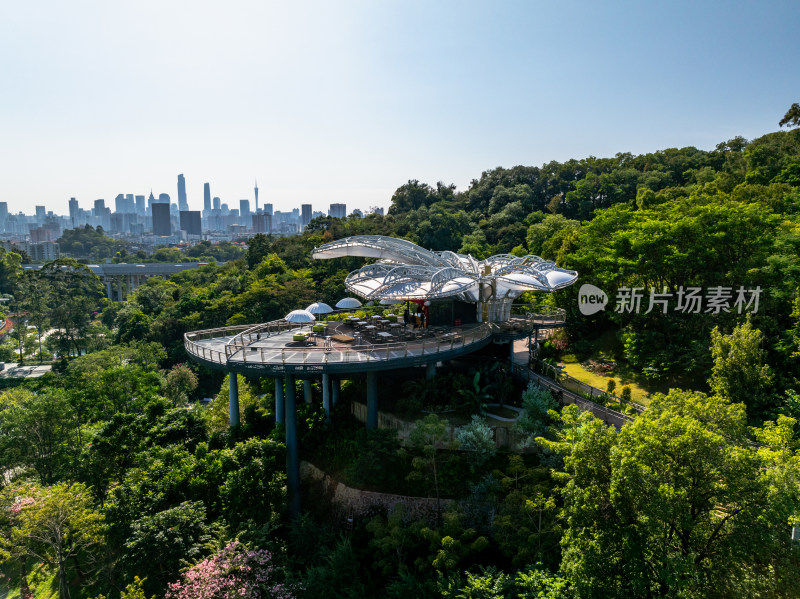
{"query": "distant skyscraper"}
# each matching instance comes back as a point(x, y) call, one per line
point(99, 208)
point(161, 224)
point(182, 204)
point(139, 205)
point(3, 211)
point(190, 222)
point(262, 223)
point(206, 197)
point(216, 203)
point(268, 209)
point(163, 198)
point(40, 212)
point(256, 190)
point(338, 210)
point(244, 208)
point(306, 216)
point(74, 210)
point(123, 204)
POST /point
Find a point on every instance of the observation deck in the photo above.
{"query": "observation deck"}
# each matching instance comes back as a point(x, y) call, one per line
point(271, 349)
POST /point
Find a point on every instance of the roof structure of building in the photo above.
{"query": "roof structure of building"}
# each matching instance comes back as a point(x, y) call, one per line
point(405, 271)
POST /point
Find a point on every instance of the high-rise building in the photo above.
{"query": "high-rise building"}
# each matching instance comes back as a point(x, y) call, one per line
point(305, 218)
point(74, 211)
point(163, 198)
point(151, 199)
point(139, 205)
point(161, 224)
point(338, 210)
point(182, 204)
point(244, 208)
point(99, 208)
point(262, 223)
point(268, 209)
point(206, 197)
point(3, 211)
point(190, 222)
point(256, 190)
point(124, 204)
point(216, 203)
point(40, 213)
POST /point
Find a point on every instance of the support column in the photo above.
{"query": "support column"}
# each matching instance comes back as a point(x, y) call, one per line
point(430, 371)
point(337, 387)
point(326, 395)
point(233, 398)
point(280, 407)
point(372, 399)
point(292, 453)
point(109, 295)
point(307, 391)
point(119, 289)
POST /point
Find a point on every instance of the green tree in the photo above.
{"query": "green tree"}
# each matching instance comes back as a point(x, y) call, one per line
point(160, 544)
point(39, 431)
point(477, 437)
point(35, 297)
point(179, 384)
point(792, 116)
point(740, 373)
point(79, 292)
point(58, 526)
point(430, 434)
point(680, 504)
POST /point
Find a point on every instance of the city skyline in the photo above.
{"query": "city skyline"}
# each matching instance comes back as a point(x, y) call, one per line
point(325, 103)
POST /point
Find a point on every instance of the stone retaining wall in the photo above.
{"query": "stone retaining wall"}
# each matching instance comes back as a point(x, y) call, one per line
point(357, 503)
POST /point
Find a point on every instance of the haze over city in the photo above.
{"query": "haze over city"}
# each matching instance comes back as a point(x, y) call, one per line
point(344, 102)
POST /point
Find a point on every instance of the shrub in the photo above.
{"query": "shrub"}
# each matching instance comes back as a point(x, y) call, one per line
point(626, 393)
point(477, 437)
point(610, 386)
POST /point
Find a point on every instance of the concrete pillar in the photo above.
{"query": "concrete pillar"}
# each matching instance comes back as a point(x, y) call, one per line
point(337, 387)
point(326, 395)
point(292, 452)
point(280, 407)
point(372, 400)
point(109, 295)
point(430, 370)
point(131, 286)
point(307, 391)
point(119, 289)
point(233, 398)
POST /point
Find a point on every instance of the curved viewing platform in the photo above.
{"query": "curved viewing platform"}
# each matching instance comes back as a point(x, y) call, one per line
point(354, 344)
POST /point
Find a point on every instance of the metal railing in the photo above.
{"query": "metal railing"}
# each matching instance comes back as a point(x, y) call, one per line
point(580, 388)
point(367, 352)
point(567, 397)
point(540, 313)
point(238, 347)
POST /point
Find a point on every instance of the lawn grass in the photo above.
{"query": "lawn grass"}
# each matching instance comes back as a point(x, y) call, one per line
point(42, 589)
point(638, 394)
point(607, 348)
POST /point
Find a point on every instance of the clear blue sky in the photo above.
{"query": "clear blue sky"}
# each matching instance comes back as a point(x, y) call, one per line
point(345, 101)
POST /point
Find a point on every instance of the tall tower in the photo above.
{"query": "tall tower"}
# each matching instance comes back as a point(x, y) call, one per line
point(206, 197)
point(256, 190)
point(182, 203)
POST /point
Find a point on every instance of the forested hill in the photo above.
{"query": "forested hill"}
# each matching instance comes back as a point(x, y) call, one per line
point(673, 218)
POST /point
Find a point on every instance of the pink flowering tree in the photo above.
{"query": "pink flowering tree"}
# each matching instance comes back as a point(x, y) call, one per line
point(234, 572)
